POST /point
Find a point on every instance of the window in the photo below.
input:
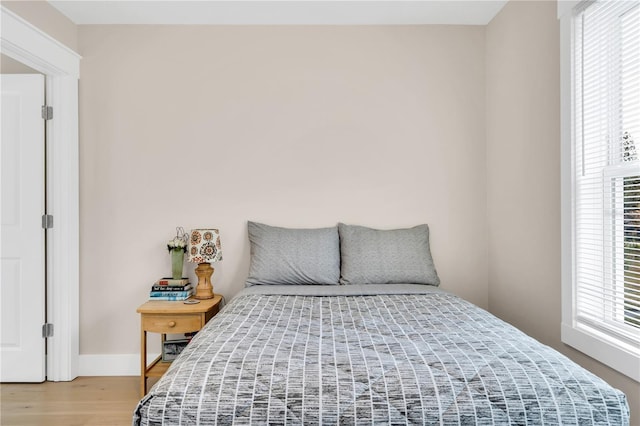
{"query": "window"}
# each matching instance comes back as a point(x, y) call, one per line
point(603, 313)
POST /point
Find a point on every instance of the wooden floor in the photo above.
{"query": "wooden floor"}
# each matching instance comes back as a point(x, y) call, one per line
point(84, 401)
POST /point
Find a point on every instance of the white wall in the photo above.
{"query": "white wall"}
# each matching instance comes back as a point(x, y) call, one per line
point(293, 126)
point(523, 179)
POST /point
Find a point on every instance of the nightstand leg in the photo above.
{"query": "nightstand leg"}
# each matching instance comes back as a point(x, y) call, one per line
point(143, 363)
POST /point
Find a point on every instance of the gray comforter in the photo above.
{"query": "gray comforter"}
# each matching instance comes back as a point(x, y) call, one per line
point(391, 354)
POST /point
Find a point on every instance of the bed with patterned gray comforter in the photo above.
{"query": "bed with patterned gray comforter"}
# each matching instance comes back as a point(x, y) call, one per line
point(384, 354)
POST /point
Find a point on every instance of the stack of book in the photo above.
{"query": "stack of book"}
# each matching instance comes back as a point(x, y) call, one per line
point(170, 289)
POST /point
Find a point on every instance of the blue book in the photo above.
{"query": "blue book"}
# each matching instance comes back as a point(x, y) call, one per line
point(170, 295)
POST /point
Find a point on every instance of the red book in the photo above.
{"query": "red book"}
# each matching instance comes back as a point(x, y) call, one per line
point(171, 281)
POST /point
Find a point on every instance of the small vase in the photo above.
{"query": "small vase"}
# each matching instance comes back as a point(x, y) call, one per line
point(177, 261)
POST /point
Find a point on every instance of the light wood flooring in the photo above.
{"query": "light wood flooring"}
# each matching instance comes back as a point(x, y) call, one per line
point(84, 401)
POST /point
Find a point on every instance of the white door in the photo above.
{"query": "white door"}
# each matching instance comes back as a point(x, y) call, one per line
point(22, 290)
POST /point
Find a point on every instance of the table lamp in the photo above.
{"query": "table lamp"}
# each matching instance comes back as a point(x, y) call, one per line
point(204, 248)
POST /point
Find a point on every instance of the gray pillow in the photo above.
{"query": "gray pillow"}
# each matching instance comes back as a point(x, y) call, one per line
point(293, 256)
point(399, 256)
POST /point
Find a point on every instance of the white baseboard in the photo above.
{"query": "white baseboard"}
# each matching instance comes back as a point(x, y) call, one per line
point(111, 364)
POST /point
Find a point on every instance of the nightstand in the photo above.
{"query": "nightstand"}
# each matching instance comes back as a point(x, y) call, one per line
point(168, 318)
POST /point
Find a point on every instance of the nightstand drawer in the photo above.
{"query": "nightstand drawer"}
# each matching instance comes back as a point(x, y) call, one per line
point(172, 323)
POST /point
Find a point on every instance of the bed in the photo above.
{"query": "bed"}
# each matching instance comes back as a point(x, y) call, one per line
point(389, 353)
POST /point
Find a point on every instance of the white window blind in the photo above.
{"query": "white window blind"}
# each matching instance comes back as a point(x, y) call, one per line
point(606, 171)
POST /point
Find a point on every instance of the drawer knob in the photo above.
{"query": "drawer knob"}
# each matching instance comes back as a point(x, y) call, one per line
point(172, 323)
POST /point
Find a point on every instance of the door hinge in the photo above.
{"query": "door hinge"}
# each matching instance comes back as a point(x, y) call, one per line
point(47, 112)
point(47, 330)
point(47, 221)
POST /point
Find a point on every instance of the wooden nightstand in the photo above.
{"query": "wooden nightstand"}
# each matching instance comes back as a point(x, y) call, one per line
point(167, 318)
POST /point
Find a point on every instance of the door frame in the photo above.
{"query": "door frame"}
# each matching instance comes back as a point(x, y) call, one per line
point(61, 66)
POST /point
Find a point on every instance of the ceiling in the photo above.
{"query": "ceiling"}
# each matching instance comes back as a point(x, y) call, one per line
point(292, 12)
